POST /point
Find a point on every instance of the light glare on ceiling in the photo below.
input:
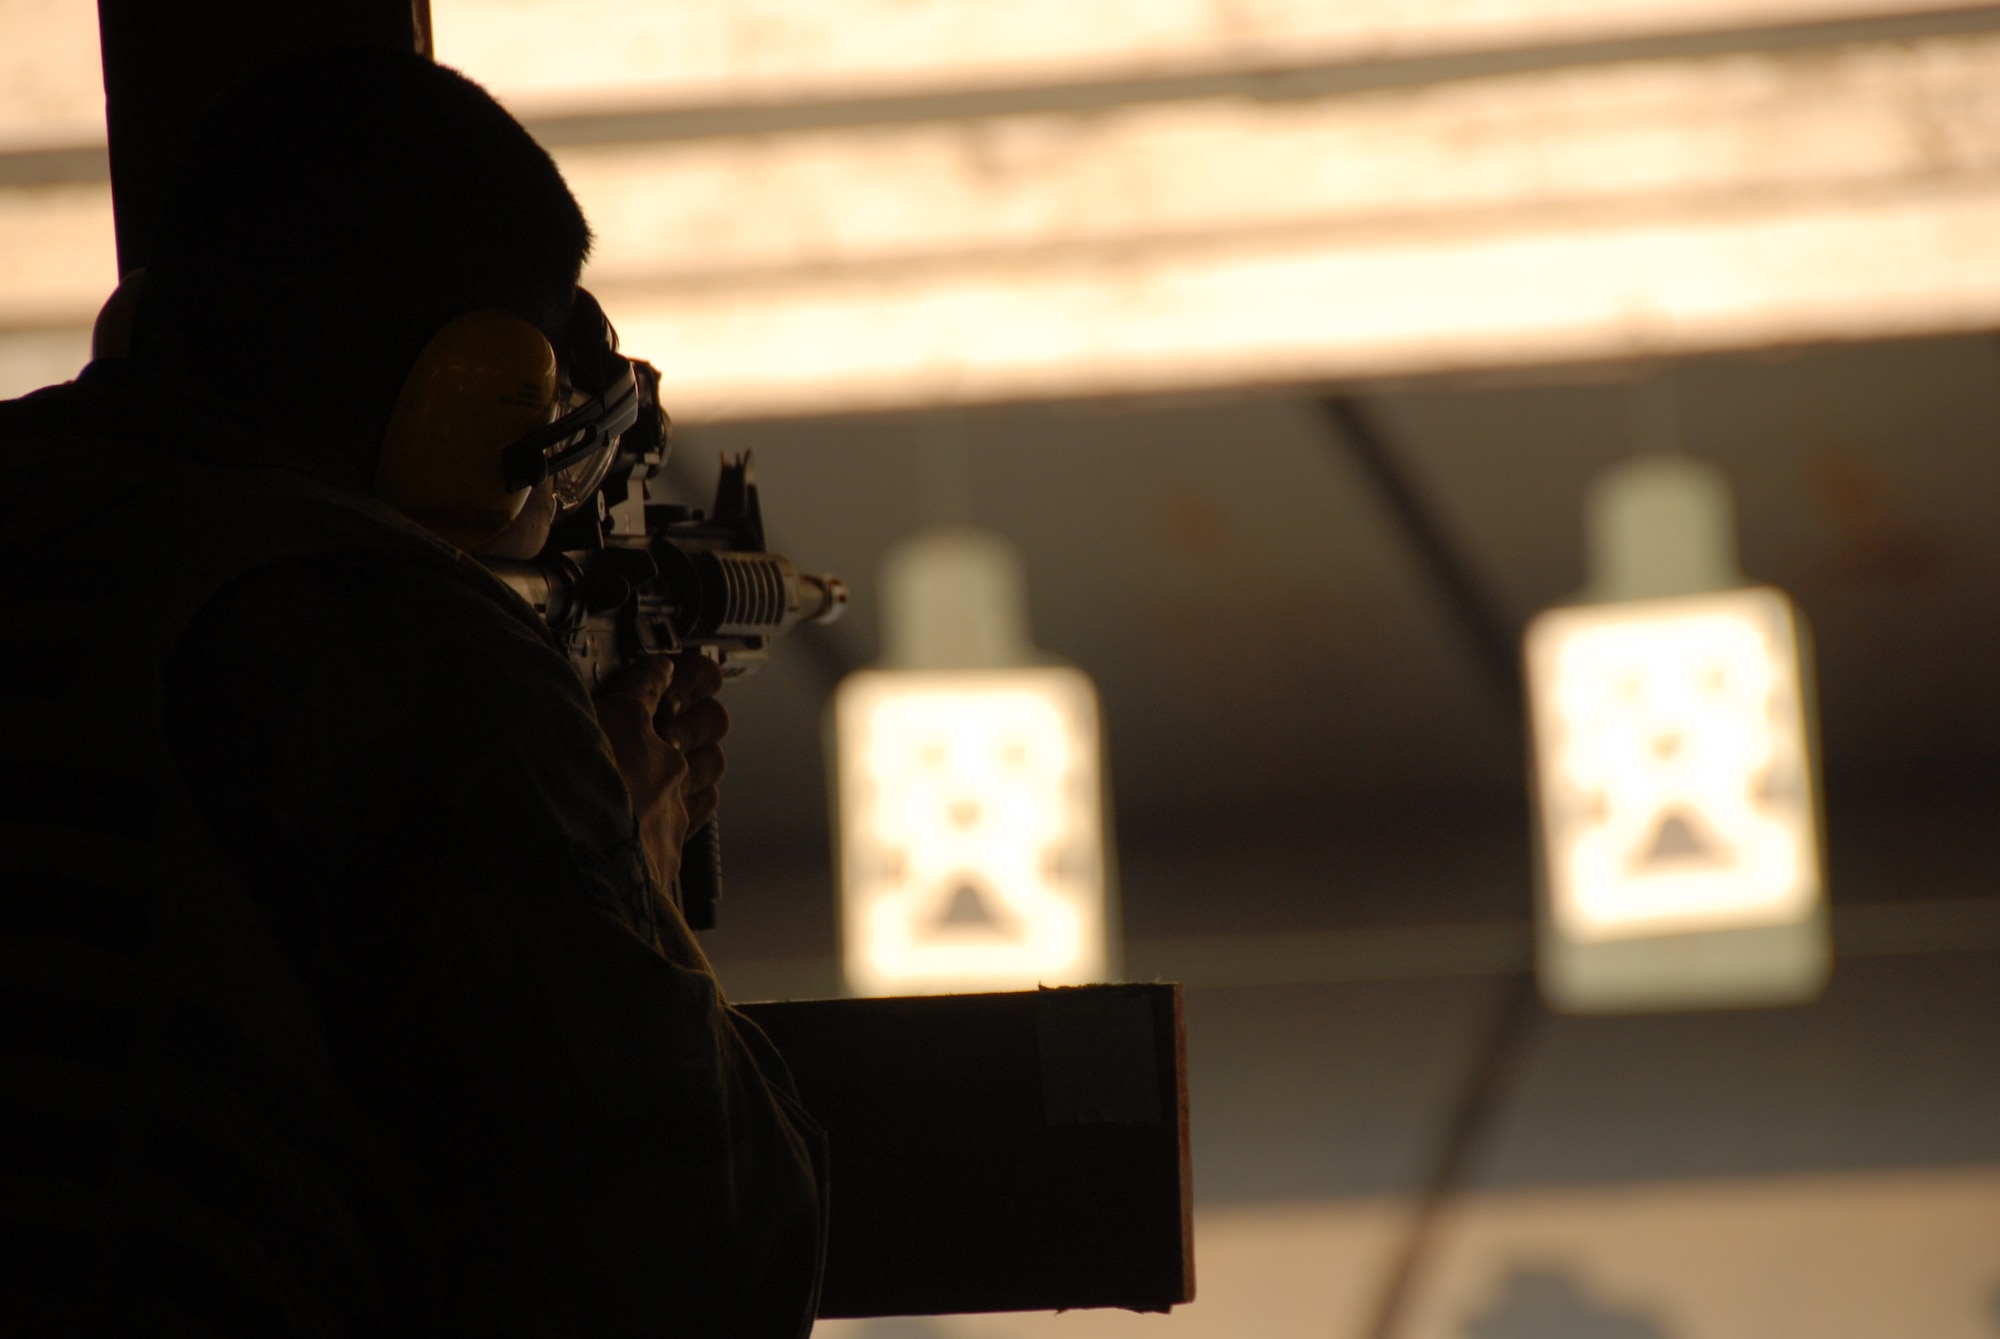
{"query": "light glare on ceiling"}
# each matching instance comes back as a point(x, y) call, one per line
point(1632, 210)
point(1278, 312)
point(552, 56)
point(1609, 210)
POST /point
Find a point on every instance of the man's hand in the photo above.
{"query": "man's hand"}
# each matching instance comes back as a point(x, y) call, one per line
point(697, 722)
point(666, 730)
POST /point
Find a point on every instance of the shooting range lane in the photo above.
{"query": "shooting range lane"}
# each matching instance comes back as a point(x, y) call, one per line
point(1275, 668)
point(1216, 565)
point(1319, 810)
point(1672, 1170)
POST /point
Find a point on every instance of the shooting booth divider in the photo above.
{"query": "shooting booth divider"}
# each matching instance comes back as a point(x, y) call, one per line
point(1025, 1151)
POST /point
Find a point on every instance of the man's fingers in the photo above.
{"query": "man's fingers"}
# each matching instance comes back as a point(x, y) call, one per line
point(633, 696)
point(701, 806)
point(705, 769)
point(701, 726)
point(696, 678)
point(664, 725)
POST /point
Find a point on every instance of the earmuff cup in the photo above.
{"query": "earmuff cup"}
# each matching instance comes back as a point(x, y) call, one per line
point(487, 382)
point(484, 381)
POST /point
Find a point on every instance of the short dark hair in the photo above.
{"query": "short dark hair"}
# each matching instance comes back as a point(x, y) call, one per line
point(331, 214)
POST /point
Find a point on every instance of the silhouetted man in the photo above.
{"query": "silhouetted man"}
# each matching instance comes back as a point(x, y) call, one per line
point(338, 992)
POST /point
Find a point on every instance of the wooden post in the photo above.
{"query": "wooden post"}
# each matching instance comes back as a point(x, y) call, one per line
point(166, 64)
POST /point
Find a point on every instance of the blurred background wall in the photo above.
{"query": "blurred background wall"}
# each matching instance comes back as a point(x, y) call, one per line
point(1097, 274)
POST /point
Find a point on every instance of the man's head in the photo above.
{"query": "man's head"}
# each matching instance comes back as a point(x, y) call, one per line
point(330, 216)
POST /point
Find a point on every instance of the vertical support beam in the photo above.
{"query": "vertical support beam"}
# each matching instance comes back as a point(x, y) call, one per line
point(1488, 632)
point(1489, 1080)
point(165, 65)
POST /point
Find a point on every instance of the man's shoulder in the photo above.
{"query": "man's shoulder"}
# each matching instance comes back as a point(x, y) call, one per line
point(105, 425)
point(386, 616)
point(77, 406)
point(51, 411)
point(191, 514)
point(400, 652)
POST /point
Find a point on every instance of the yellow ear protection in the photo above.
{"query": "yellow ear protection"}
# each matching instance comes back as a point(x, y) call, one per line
point(485, 380)
point(476, 424)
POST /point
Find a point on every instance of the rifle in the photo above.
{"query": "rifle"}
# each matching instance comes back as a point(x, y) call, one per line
point(629, 574)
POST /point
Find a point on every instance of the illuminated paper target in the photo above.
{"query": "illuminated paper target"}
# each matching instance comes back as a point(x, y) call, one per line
point(972, 851)
point(1676, 782)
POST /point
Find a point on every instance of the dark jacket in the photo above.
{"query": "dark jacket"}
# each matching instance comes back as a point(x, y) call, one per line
point(334, 995)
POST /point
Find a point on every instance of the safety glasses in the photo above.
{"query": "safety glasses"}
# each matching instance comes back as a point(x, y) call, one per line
point(576, 449)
